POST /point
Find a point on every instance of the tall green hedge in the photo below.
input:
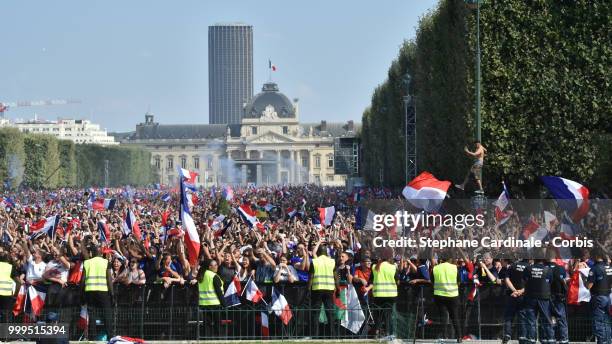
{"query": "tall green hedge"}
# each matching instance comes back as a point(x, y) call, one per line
point(42, 161)
point(546, 101)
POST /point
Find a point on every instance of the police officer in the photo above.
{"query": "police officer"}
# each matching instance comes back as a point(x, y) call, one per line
point(514, 302)
point(98, 286)
point(446, 280)
point(384, 280)
point(322, 285)
point(558, 290)
point(600, 282)
point(537, 279)
point(7, 288)
point(210, 291)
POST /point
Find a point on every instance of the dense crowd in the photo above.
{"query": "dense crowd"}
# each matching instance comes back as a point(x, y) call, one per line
point(279, 251)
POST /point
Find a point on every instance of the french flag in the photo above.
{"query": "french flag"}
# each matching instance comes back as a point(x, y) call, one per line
point(291, 212)
point(103, 204)
point(265, 327)
point(125, 340)
point(532, 231)
point(231, 297)
point(130, 225)
point(577, 291)
point(228, 193)
point(83, 321)
point(45, 226)
point(501, 215)
point(253, 293)
point(326, 215)
point(280, 306)
point(104, 231)
point(570, 195)
point(192, 239)
point(30, 300)
point(166, 197)
point(474, 291)
point(426, 192)
point(188, 178)
point(248, 215)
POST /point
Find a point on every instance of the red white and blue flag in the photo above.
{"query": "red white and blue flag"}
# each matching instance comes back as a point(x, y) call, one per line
point(280, 306)
point(103, 204)
point(248, 215)
point(104, 231)
point(326, 215)
point(232, 294)
point(577, 291)
point(426, 192)
point(501, 214)
point(570, 195)
point(265, 327)
point(188, 178)
point(83, 321)
point(130, 225)
point(192, 239)
point(45, 226)
point(253, 293)
point(125, 340)
point(30, 300)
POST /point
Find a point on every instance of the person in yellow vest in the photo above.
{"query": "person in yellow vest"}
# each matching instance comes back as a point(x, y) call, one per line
point(98, 286)
point(7, 288)
point(210, 290)
point(446, 280)
point(322, 285)
point(384, 279)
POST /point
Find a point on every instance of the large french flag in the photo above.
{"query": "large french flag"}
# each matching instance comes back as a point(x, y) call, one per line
point(326, 215)
point(188, 178)
point(570, 195)
point(192, 239)
point(44, 226)
point(232, 294)
point(577, 291)
point(103, 204)
point(280, 306)
point(426, 192)
point(248, 215)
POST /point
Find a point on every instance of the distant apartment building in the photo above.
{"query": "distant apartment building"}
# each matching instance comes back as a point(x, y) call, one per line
point(76, 130)
point(230, 71)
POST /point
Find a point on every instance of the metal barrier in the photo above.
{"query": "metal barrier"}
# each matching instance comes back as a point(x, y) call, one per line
point(157, 313)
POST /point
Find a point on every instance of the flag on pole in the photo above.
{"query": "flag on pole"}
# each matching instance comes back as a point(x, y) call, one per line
point(265, 327)
point(271, 66)
point(353, 317)
point(253, 293)
point(104, 204)
point(45, 226)
point(248, 215)
point(232, 294)
point(501, 215)
point(426, 192)
point(192, 239)
point(280, 306)
point(130, 225)
point(326, 215)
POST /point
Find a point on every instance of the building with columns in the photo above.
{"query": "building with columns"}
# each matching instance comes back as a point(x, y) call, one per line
point(269, 146)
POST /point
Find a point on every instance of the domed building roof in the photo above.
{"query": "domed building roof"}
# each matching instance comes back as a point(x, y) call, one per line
point(268, 101)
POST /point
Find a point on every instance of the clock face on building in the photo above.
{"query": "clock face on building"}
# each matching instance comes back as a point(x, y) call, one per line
point(269, 113)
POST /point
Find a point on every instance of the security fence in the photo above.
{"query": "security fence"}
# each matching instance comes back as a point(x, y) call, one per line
point(154, 312)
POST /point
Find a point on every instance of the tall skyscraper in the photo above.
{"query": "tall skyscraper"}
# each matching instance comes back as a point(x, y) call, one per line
point(230, 71)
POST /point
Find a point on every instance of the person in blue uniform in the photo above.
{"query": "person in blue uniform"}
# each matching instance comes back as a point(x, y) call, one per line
point(600, 282)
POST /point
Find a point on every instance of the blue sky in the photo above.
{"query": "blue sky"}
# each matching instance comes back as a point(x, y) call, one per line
point(122, 57)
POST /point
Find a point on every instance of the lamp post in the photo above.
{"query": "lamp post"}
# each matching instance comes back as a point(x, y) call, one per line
point(406, 99)
point(476, 4)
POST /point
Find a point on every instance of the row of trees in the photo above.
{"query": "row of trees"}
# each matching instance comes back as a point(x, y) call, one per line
point(546, 102)
point(42, 161)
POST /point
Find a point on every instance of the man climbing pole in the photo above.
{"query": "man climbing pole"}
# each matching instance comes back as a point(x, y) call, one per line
point(476, 169)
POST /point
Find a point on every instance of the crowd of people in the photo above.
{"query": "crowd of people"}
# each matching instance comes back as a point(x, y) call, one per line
point(75, 247)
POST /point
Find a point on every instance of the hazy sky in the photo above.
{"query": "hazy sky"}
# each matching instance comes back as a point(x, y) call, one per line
point(122, 57)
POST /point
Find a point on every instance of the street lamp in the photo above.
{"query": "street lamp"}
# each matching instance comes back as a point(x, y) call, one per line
point(476, 4)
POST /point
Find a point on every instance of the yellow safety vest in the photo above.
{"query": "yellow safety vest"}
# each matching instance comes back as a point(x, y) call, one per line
point(445, 280)
point(323, 278)
point(95, 274)
point(384, 280)
point(206, 290)
point(6, 282)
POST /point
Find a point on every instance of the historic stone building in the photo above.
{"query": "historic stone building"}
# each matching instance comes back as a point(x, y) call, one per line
point(269, 146)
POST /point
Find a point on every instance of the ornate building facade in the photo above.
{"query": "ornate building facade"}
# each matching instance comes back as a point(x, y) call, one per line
point(269, 146)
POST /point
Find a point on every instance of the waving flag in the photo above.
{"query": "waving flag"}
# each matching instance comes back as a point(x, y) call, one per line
point(265, 327)
point(248, 215)
point(103, 203)
point(104, 231)
point(353, 318)
point(426, 192)
point(326, 215)
point(291, 212)
point(130, 225)
point(166, 198)
point(125, 340)
point(228, 193)
point(30, 300)
point(188, 178)
point(45, 226)
point(83, 321)
point(253, 293)
point(577, 291)
point(532, 231)
point(570, 196)
point(192, 239)
point(232, 294)
point(501, 215)
point(280, 306)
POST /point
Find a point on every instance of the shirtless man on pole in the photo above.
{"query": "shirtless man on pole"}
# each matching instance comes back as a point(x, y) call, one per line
point(476, 169)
